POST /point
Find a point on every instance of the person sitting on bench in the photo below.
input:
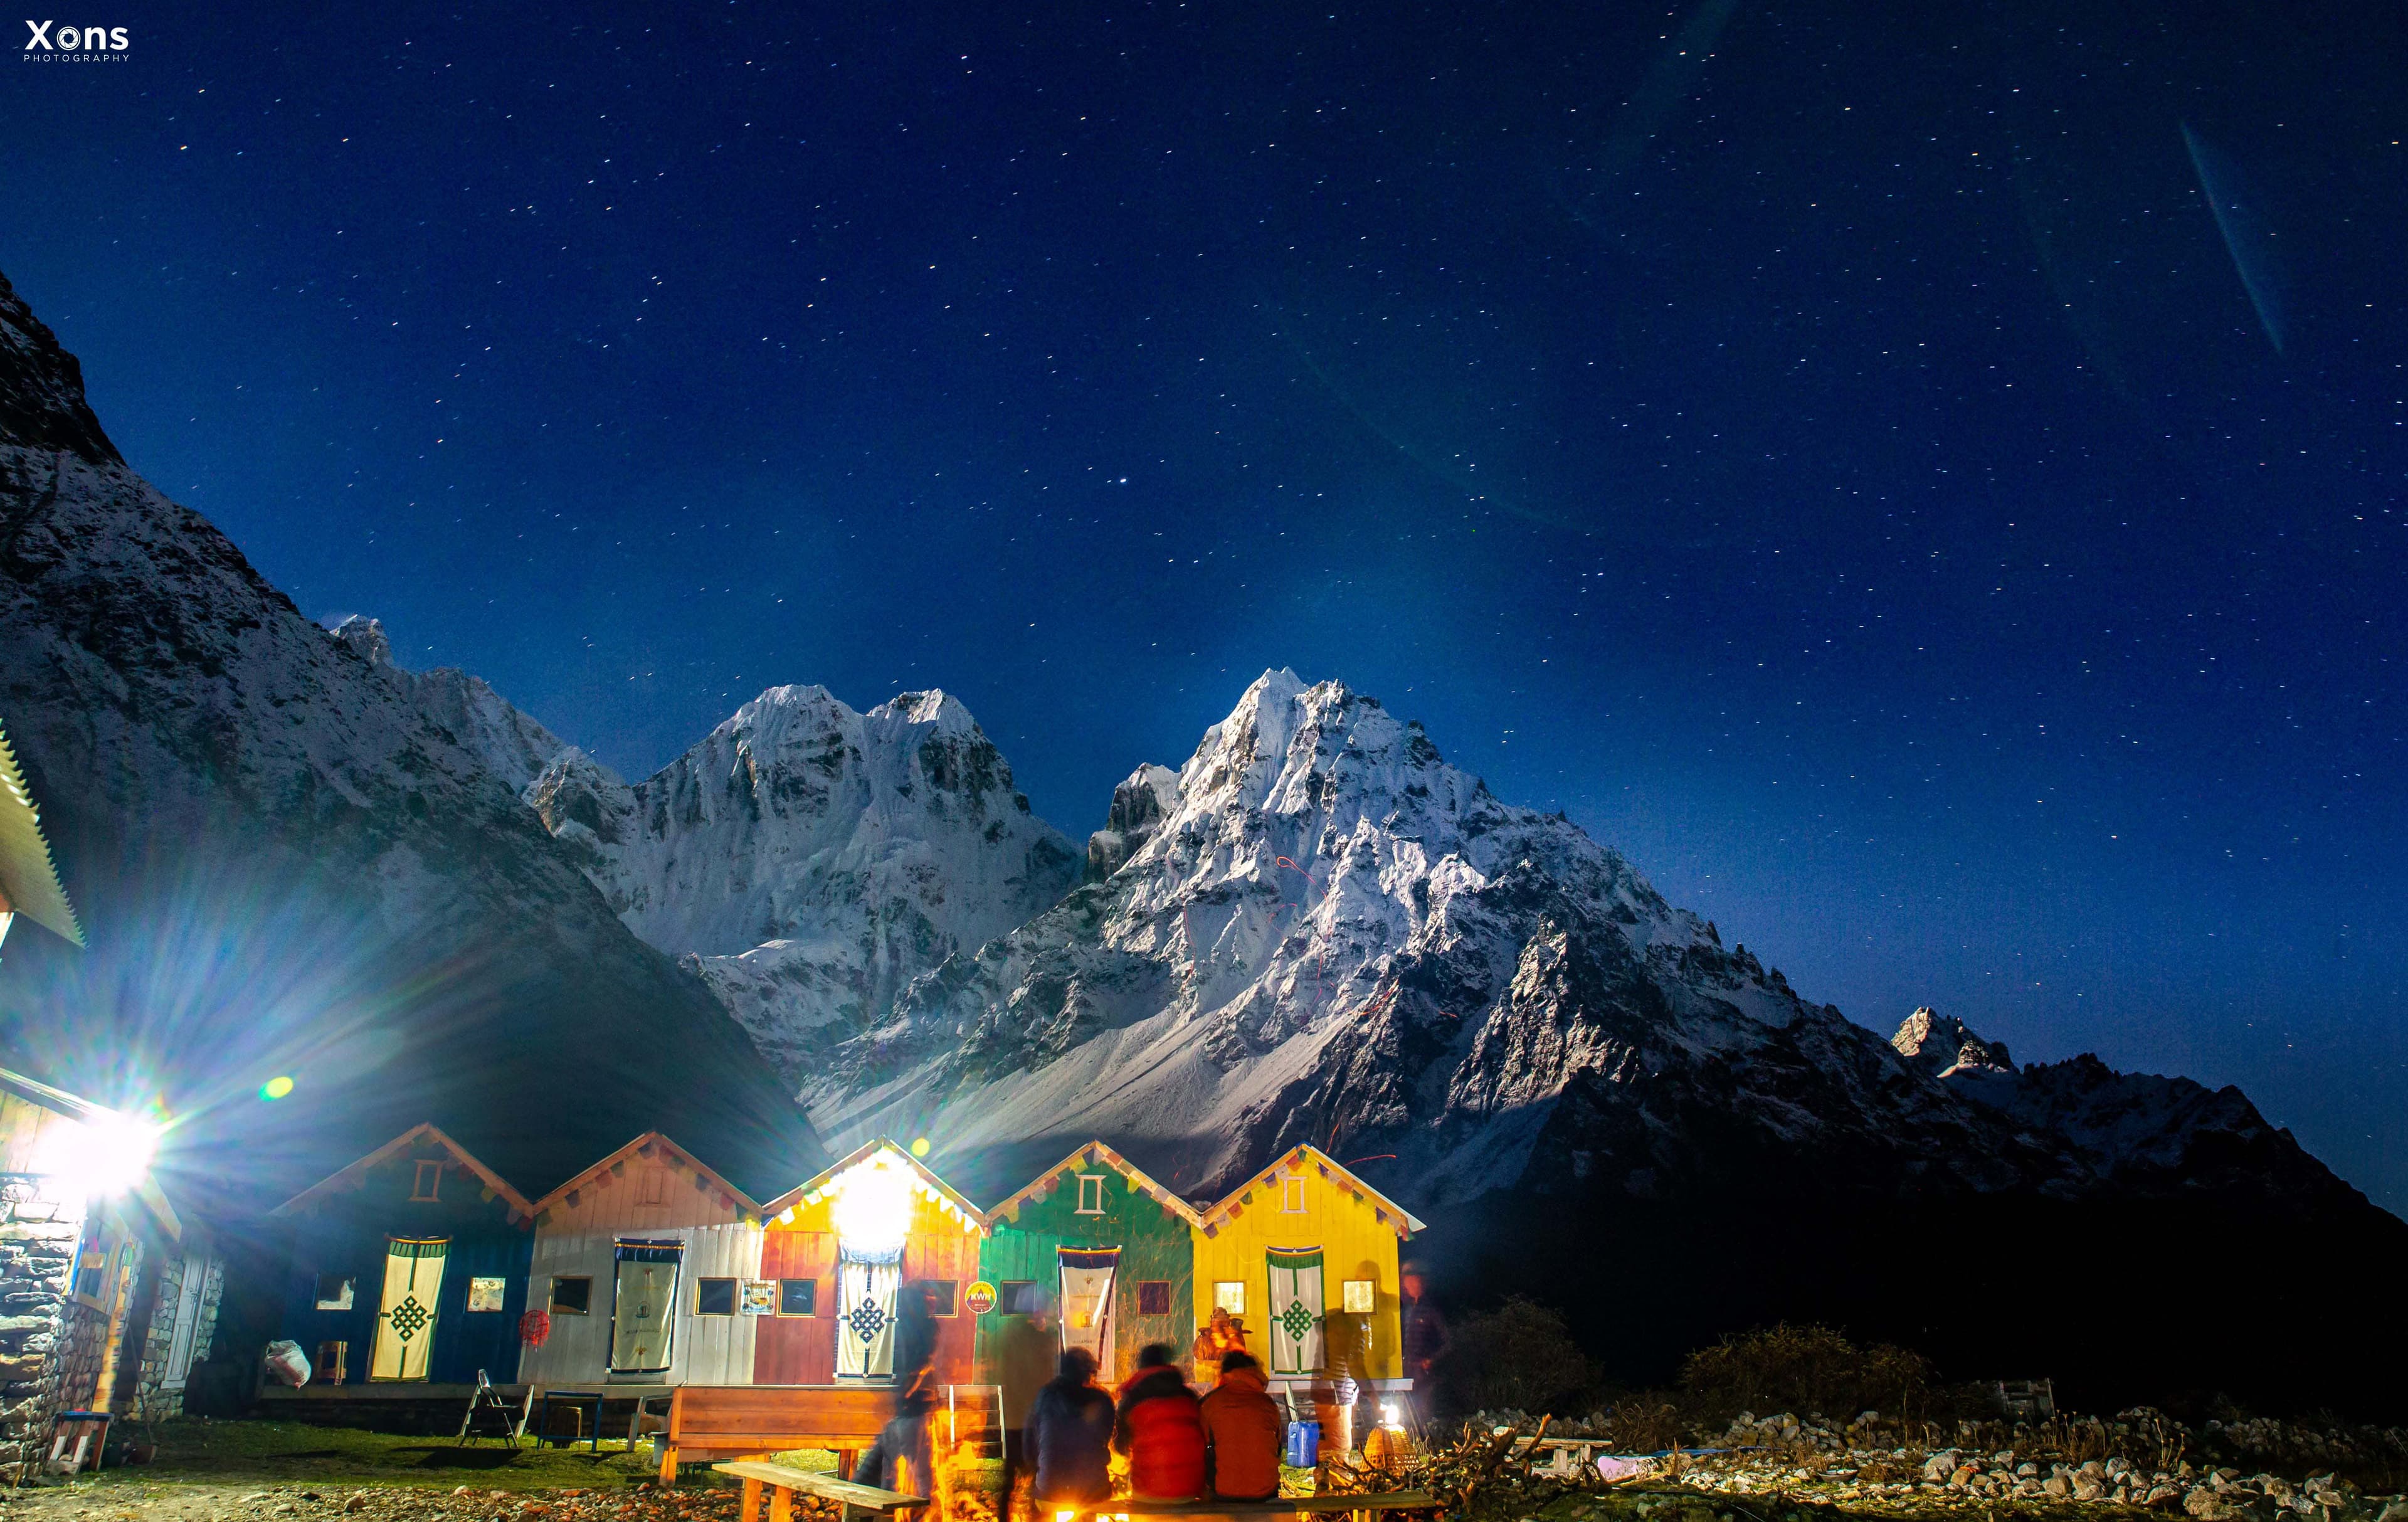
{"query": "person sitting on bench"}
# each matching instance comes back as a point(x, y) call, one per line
point(1160, 1430)
point(1070, 1436)
point(1242, 1427)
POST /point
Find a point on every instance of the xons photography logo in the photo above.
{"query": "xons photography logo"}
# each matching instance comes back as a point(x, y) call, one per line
point(51, 43)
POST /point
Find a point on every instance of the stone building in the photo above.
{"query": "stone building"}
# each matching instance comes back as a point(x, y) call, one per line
point(104, 1304)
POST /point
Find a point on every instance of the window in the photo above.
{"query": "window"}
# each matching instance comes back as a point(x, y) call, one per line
point(1291, 1195)
point(101, 1262)
point(653, 1187)
point(428, 1179)
point(714, 1297)
point(485, 1294)
point(572, 1296)
point(943, 1298)
point(1090, 1194)
point(798, 1296)
point(1020, 1298)
point(334, 1292)
point(1229, 1294)
point(1361, 1297)
point(1153, 1296)
point(328, 1367)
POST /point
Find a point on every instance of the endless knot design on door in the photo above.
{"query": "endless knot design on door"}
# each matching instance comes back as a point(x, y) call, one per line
point(1296, 1320)
point(866, 1319)
point(409, 1318)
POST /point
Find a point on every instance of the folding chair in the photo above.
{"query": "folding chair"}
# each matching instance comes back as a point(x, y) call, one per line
point(488, 1416)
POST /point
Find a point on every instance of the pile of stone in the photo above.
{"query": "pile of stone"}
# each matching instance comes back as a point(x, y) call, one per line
point(2141, 1460)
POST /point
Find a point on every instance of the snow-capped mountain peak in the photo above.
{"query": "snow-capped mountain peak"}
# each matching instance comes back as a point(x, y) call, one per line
point(813, 859)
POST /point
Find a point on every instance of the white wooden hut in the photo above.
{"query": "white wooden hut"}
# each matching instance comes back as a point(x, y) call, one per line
point(642, 1263)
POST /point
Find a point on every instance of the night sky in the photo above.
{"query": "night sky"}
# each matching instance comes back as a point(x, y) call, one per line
point(1930, 483)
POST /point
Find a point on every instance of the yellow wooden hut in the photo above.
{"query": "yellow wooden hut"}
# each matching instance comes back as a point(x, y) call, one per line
point(1305, 1254)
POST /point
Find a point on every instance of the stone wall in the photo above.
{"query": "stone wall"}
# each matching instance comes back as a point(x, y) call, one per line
point(37, 1244)
point(158, 1403)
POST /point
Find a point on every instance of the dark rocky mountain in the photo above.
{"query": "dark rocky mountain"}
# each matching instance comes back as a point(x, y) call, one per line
point(291, 858)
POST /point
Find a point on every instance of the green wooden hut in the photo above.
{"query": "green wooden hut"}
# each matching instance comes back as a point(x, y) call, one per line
point(1094, 1253)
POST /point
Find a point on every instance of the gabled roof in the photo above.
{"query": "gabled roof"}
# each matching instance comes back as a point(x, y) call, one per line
point(679, 1157)
point(29, 881)
point(349, 1178)
point(1391, 1214)
point(812, 1185)
point(77, 1108)
point(1097, 1155)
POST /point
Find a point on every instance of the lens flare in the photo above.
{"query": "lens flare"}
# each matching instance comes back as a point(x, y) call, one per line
point(873, 1205)
point(919, 1146)
point(275, 1088)
point(105, 1154)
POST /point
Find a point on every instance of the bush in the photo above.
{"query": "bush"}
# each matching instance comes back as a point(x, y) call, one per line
point(1804, 1370)
point(1519, 1356)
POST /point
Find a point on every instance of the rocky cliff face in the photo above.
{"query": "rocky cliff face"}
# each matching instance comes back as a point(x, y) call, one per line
point(810, 860)
point(2134, 1135)
point(513, 746)
point(293, 858)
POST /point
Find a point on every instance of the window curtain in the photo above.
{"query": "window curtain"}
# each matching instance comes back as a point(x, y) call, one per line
point(405, 1334)
point(1087, 1302)
point(643, 1308)
point(865, 1327)
point(1295, 1310)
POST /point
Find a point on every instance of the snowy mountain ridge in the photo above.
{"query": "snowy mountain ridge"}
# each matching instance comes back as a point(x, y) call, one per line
point(809, 860)
point(1317, 929)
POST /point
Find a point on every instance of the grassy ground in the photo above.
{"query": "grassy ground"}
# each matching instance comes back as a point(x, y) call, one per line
point(296, 1453)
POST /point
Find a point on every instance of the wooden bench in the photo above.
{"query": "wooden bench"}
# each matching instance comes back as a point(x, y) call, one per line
point(782, 1484)
point(745, 1421)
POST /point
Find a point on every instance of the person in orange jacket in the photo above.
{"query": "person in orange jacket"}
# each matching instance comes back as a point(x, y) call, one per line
point(1161, 1430)
point(1242, 1427)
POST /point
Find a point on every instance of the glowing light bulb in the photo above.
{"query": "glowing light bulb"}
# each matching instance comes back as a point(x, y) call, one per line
point(105, 1154)
point(873, 1206)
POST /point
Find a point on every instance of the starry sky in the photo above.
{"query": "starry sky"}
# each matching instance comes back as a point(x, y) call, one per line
point(1930, 483)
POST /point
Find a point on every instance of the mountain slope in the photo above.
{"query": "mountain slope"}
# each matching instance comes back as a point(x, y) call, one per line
point(812, 860)
point(289, 864)
point(1318, 929)
point(511, 744)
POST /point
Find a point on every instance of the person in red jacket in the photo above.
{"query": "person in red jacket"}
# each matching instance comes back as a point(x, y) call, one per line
point(1161, 1430)
point(1244, 1425)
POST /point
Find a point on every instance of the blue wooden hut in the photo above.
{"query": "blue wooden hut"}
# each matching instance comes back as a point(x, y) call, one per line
point(408, 1267)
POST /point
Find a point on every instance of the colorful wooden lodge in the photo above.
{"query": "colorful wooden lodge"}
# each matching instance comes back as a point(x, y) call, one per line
point(640, 1266)
point(774, 1325)
point(839, 1247)
point(408, 1267)
point(1092, 1253)
point(1304, 1252)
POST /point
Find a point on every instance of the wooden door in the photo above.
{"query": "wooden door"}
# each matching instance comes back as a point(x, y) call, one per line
point(406, 1316)
point(791, 1349)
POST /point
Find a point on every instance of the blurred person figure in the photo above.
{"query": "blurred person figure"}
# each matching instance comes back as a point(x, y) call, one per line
point(1242, 1430)
point(1160, 1428)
